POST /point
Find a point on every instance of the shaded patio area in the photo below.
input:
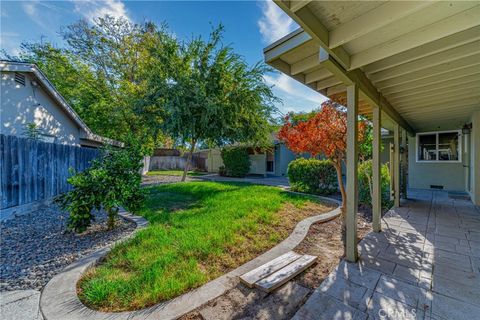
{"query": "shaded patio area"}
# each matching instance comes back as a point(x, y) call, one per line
point(424, 265)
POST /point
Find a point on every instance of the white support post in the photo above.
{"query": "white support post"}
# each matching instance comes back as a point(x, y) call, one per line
point(352, 180)
point(390, 169)
point(404, 164)
point(376, 171)
point(396, 165)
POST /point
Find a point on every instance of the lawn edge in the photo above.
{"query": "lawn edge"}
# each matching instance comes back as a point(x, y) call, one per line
point(59, 298)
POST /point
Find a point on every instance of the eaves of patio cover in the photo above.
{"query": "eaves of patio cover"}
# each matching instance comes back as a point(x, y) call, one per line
point(418, 61)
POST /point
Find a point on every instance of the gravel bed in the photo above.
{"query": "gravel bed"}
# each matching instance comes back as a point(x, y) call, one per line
point(34, 247)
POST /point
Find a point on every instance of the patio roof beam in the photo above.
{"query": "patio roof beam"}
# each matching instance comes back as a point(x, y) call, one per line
point(310, 23)
point(305, 64)
point(427, 62)
point(428, 49)
point(317, 75)
point(373, 20)
point(298, 4)
point(370, 92)
point(468, 65)
point(447, 77)
point(286, 44)
point(437, 94)
point(445, 27)
point(441, 100)
point(329, 82)
point(441, 86)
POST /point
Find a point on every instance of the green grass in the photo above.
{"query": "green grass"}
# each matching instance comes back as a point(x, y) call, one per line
point(197, 231)
point(174, 173)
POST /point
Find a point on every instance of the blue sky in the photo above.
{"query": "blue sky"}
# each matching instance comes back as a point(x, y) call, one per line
point(249, 27)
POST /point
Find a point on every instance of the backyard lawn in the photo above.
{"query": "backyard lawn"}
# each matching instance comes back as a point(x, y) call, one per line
point(197, 232)
point(174, 173)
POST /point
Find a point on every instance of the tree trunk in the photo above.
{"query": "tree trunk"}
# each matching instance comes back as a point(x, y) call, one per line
point(189, 159)
point(111, 213)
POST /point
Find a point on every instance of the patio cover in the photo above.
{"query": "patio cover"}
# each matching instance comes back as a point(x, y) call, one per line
point(418, 60)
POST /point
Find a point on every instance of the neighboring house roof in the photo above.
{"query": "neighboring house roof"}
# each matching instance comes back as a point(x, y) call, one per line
point(15, 66)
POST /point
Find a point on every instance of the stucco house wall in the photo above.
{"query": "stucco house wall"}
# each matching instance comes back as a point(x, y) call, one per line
point(422, 175)
point(28, 97)
point(22, 105)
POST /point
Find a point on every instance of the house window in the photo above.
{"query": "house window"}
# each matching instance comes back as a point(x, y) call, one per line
point(441, 146)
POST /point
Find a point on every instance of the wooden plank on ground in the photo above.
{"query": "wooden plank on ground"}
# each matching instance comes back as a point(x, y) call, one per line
point(283, 275)
point(268, 268)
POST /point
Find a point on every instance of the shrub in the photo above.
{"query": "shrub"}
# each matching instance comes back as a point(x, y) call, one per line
point(221, 171)
point(112, 180)
point(365, 184)
point(312, 176)
point(236, 161)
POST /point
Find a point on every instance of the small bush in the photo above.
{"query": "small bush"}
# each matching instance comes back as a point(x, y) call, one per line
point(236, 161)
point(312, 176)
point(222, 171)
point(365, 184)
point(112, 180)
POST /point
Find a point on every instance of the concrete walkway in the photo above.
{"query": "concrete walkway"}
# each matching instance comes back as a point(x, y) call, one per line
point(424, 265)
point(20, 305)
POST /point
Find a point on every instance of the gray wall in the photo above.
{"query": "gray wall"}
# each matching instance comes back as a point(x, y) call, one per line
point(283, 156)
point(27, 104)
point(421, 175)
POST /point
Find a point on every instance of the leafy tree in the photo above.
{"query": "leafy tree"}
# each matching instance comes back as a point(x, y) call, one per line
point(103, 73)
point(215, 97)
point(324, 133)
point(236, 161)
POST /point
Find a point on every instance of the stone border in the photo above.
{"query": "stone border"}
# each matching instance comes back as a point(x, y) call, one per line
point(59, 298)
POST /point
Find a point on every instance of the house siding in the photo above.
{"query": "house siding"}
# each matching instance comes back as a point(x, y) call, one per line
point(283, 156)
point(422, 175)
point(22, 105)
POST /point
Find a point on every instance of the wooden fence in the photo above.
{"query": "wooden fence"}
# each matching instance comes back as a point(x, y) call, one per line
point(32, 170)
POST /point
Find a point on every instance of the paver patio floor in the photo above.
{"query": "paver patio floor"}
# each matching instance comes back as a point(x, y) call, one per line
point(425, 264)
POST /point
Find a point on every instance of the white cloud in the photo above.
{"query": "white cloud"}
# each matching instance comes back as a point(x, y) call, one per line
point(274, 23)
point(31, 9)
point(91, 9)
point(296, 96)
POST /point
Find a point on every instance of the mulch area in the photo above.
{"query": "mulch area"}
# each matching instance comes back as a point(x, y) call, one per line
point(323, 240)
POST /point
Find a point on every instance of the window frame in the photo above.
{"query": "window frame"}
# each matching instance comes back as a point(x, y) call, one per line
point(459, 132)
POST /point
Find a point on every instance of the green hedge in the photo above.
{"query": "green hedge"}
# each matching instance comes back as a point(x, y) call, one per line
point(312, 176)
point(364, 180)
point(236, 162)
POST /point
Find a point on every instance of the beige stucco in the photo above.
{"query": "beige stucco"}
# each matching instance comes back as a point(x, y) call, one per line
point(21, 105)
point(258, 164)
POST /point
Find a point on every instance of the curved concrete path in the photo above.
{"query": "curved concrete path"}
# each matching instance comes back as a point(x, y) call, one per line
point(59, 298)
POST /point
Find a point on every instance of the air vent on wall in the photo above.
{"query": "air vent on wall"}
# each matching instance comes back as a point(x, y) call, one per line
point(20, 78)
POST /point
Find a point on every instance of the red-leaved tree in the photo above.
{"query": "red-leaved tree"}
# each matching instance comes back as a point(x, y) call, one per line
point(324, 133)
